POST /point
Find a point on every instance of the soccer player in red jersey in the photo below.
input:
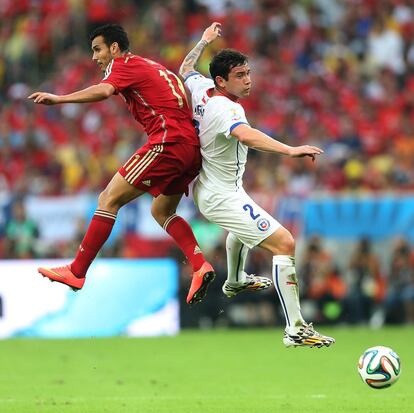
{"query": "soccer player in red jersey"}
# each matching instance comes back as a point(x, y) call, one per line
point(164, 166)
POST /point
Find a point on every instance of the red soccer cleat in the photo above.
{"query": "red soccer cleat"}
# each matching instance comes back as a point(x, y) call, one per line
point(200, 282)
point(63, 275)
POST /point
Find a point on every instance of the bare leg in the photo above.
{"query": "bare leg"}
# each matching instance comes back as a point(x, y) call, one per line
point(117, 194)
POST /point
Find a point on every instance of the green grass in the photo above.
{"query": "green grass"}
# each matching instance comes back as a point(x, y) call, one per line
point(218, 372)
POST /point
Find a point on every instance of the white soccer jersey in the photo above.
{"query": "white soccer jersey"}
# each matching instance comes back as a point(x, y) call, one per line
point(224, 157)
point(219, 192)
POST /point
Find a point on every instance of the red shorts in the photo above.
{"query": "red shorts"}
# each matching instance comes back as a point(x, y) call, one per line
point(164, 169)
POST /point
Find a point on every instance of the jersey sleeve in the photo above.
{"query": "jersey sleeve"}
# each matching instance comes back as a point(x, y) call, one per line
point(195, 82)
point(119, 75)
point(232, 116)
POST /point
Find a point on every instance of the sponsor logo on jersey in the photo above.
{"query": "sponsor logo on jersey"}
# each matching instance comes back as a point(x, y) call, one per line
point(263, 224)
point(197, 250)
point(147, 182)
point(199, 110)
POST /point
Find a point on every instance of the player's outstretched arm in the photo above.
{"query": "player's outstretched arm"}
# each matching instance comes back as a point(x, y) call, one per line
point(258, 140)
point(93, 93)
point(190, 61)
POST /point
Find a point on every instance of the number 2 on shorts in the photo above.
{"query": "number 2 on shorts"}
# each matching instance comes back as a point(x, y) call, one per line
point(248, 207)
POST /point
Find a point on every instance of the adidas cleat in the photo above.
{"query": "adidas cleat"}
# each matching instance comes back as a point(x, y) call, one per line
point(307, 336)
point(252, 283)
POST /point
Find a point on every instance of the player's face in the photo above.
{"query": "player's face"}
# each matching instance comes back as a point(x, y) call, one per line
point(239, 82)
point(101, 53)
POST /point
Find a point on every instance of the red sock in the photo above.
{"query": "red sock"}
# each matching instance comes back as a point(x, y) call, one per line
point(98, 232)
point(183, 235)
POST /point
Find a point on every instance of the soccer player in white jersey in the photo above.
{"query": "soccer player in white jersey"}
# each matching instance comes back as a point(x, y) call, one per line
point(225, 136)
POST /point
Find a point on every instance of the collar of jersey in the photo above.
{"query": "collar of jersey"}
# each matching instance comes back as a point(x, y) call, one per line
point(219, 93)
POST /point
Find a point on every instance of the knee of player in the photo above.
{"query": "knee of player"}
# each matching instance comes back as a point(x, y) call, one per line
point(159, 213)
point(107, 201)
point(155, 212)
point(287, 243)
point(290, 243)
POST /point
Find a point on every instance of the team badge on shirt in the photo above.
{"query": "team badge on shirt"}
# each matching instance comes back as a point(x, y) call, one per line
point(235, 115)
point(263, 224)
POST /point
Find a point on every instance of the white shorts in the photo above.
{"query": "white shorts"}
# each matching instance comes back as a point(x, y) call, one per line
point(237, 213)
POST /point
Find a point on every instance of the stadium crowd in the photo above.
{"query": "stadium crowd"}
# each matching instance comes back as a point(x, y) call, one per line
point(336, 74)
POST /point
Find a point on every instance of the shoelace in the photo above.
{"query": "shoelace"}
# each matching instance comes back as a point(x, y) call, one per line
point(309, 330)
point(250, 277)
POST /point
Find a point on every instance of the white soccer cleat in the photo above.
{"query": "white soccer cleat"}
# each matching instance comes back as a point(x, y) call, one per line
point(307, 336)
point(252, 283)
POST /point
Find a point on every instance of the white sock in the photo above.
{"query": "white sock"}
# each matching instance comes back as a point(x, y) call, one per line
point(236, 259)
point(286, 284)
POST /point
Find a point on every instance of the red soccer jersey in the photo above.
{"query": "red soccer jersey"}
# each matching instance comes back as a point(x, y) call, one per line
point(155, 97)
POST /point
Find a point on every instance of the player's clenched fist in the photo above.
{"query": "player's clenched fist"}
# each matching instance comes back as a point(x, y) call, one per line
point(212, 32)
point(44, 98)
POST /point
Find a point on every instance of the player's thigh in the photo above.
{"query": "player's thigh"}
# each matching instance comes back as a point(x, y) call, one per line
point(240, 215)
point(118, 192)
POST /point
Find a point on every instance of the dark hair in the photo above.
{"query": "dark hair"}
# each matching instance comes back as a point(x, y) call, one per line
point(224, 61)
point(112, 33)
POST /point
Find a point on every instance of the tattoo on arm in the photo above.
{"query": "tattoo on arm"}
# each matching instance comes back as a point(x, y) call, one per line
point(190, 61)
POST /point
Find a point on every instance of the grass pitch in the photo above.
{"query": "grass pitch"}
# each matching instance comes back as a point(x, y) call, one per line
point(218, 371)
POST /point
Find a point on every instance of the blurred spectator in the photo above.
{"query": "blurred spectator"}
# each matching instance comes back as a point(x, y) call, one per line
point(321, 283)
point(399, 301)
point(385, 45)
point(365, 284)
point(21, 234)
point(337, 74)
